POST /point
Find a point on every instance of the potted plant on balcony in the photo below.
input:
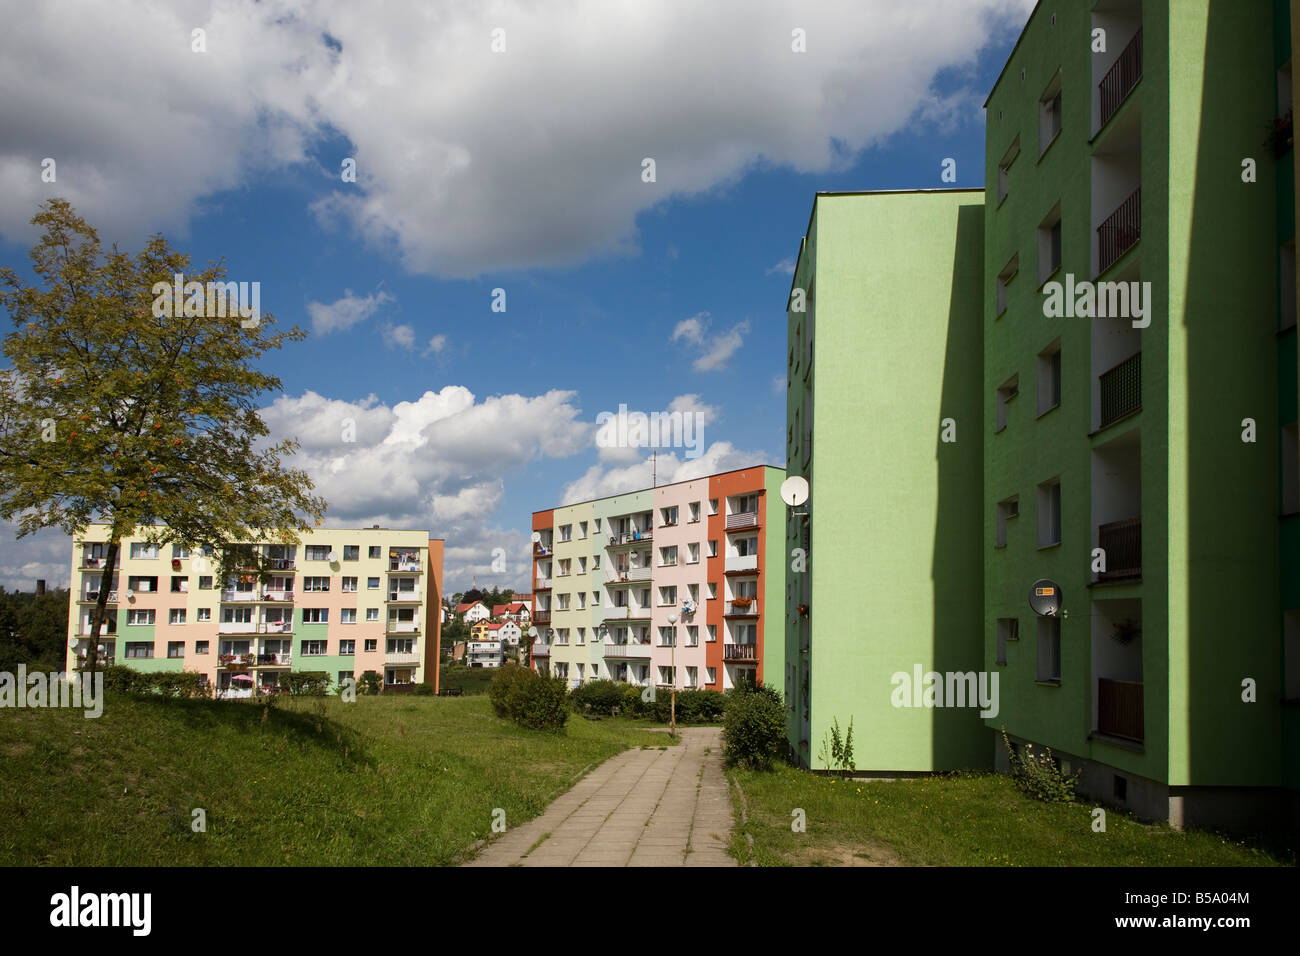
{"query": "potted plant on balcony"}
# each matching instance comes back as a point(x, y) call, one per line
point(742, 602)
point(226, 659)
point(803, 610)
point(1124, 631)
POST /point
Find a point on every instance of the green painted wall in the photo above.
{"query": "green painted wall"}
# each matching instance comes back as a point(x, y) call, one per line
point(775, 564)
point(896, 525)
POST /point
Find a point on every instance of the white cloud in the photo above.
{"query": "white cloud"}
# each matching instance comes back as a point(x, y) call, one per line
point(436, 345)
point(784, 267)
point(345, 312)
point(485, 161)
point(715, 350)
point(399, 336)
point(778, 384)
point(619, 440)
point(668, 467)
point(45, 556)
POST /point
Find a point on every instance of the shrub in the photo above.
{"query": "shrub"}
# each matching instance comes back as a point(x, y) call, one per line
point(501, 692)
point(700, 706)
point(600, 696)
point(423, 690)
point(182, 684)
point(304, 683)
point(632, 705)
point(1038, 774)
point(529, 699)
point(123, 680)
point(370, 683)
point(753, 734)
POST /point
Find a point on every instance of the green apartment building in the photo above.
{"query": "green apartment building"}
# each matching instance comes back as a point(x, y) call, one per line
point(1127, 389)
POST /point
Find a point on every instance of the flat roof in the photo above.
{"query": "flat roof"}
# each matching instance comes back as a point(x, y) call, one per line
point(684, 481)
point(1012, 55)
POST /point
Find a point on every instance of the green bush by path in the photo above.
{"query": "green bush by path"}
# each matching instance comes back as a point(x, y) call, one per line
point(530, 699)
point(753, 734)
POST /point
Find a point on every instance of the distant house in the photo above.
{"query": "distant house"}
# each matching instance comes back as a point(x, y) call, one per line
point(507, 632)
point(469, 613)
point(516, 611)
point(485, 647)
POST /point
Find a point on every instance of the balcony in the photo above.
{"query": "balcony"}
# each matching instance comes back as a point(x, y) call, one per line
point(92, 597)
point(742, 607)
point(274, 660)
point(741, 564)
point(1121, 390)
point(1122, 542)
point(619, 615)
point(402, 658)
point(630, 649)
point(1120, 79)
point(541, 650)
point(629, 537)
point(1120, 231)
point(234, 596)
point(740, 652)
point(276, 596)
point(404, 567)
point(742, 520)
point(280, 564)
point(1119, 709)
point(403, 597)
point(236, 661)
point(403, 627)
point(541, 550)
point(542, 617)
point(542, 584)
point(100, 661)
point(275, 627)
point(236, 627)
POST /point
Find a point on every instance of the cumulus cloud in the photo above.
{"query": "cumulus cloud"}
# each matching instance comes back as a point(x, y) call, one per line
point(345, 312)
point(486, 161)
point(623, 433)
point(599, 481)
point(45, 556)
point(713, 351)
point(785, 267)
point(399, 336)
point(436, 345)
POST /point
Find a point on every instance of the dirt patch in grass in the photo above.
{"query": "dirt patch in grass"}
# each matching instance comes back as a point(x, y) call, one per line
point(845, 854)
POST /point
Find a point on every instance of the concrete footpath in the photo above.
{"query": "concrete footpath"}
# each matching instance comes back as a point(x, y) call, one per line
point(642, 808)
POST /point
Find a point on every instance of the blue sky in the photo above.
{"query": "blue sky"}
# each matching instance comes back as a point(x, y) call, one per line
point(519, 170)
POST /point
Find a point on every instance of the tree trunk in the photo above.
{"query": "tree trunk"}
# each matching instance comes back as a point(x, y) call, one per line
point(97, 618)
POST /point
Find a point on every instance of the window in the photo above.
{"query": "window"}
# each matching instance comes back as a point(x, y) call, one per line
point(667, 596)
point(175, 648)
point(375, 551)
point(1049, 377)
point(180, 584)
point(746, 547)
point(140, 616)
point(142, 550)
point(582, 565)
point(205, 582)
point(372, 644)
point(596, 525)
point(595, 599)
point(139, 649)
point(582, 530)
point(236, 615)
point(668, 517)
point(713, 636)
point(1007, 631)
point(372, 614)
point(667, 676)
point(713, 590)
point(692, 635)
point(668, 557)
point(582, 636)
point(318, 552)
point(582, 600)
point(176, 615)
point(695, 512)
point(315, 615)
point(713, 549)
point(138, 582)
point(693, 554)
point(203, 614)
point(1006, 392)
point(1049, 513)
point(1007, 509)
point(713, 506)
point(595, 562)
point(349, 584)
point(200, 647)
point(562, 602)
point(1049, 114)
point(694, 590)
point(180, 552)
point(1004, 279)
point(563, 572)
point(713, 674)
point(1049, 244)
point(313, 648)
point(1004, 168)
point(348, 615)
point(316, 584)
point(347, 648)
point(1049, 650)
point(352, 552)
point(372, 584)
point(690, 676)
point(566, 532)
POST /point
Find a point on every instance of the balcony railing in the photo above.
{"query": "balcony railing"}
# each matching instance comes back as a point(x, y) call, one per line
point(541, 650)
point(1119, 708)
point(276, 594)
point(1120, 231)
point(275, 660)
point(626, 613)
point(399, 567)
point(630, 537)
point(1122, 543)
point(1121, 390)
point(628, 649)
point(542, 584)
point(91, 597)
point(404, 596)
point(1121, 78)
point(742, 519)
point(100, 662)
point(402, 657)
point(740, 652)
point(742, 608)
point(403, 627)
point(542, 617)
point(234, 596)
point(741, 563)
point(275, 627)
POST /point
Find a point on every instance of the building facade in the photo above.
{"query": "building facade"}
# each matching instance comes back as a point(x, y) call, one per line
point(342, 601)
point(1132, 425)
point(664, 587)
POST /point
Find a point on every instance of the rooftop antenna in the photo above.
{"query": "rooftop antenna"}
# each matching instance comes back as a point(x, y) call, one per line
point(654, 452)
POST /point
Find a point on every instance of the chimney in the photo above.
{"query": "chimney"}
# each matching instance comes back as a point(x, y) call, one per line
point(40, 585)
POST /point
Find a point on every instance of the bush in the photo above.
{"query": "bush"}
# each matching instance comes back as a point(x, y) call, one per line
point(371, 682)
point(529, 699)
point(304, 683)
point(423, 690)
point(125, 680)
point(700, 706)
point(598, 696)
point(1038, 774)
point(753, 734)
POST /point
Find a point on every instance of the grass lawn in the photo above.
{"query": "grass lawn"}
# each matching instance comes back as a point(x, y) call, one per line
point(407, 781)
point(957, 820)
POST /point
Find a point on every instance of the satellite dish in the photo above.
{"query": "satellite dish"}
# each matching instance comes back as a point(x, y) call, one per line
point(333, 556)
point(1045, 598)
point(537, 537)
point(130, 593)
point(72, 643)
point(794, 490)
point(532, 632)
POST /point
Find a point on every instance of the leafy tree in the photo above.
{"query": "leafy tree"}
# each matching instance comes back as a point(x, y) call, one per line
point(111, 413)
